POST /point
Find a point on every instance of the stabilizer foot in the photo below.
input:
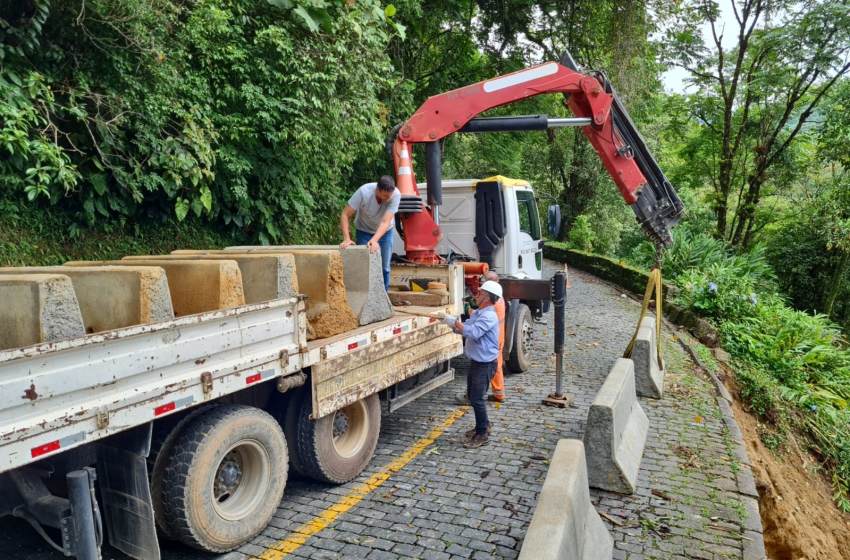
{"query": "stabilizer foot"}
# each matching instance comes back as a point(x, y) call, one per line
point(558, 401)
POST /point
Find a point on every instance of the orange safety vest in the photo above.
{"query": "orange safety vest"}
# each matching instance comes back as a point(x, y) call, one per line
point(498, 382)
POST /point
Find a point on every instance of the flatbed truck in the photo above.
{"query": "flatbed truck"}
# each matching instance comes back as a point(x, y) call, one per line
point(192, 424)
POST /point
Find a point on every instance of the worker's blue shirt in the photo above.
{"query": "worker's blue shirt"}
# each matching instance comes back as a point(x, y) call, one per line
point(482, 335)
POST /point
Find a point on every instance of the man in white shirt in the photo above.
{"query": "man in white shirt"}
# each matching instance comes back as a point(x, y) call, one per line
point(375, 205)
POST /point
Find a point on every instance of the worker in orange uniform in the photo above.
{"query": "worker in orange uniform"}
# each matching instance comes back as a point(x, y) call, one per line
point(497, 384)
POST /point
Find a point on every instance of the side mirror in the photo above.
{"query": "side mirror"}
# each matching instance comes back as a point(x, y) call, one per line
point(553, 220)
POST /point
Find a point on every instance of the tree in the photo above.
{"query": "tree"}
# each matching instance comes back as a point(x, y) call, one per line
point(834, 148)
point(248, 114)
point(759, 97)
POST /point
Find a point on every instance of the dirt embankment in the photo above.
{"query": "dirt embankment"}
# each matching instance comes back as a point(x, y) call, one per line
point(800, 520)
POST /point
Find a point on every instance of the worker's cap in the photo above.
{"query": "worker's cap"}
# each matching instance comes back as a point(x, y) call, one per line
point(492, 287)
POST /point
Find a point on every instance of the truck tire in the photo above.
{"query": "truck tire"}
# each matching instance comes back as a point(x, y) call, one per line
point(338, 446)
point(520, 358)
point(162, 446)
point(225, 478)
point(290, 430)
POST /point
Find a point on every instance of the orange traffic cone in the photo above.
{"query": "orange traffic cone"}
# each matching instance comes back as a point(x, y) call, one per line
point(404, 171)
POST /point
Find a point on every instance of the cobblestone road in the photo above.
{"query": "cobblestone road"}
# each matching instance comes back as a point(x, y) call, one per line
point(450, 503)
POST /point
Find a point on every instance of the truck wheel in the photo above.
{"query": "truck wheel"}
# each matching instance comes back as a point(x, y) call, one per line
point(162, 445)
point(225, 478)
point(290, 430)
point(520, 359)
point(338, 446)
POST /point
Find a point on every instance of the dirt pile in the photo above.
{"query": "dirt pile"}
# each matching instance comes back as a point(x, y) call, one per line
point(800, 520)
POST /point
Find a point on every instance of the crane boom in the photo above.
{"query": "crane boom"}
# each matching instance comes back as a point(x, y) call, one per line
point(598, 111)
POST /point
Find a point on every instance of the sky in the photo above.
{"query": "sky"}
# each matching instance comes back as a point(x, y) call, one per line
point(674, 78)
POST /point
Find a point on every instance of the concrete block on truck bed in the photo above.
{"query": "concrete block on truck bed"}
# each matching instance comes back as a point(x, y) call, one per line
point(37, 308)
point(196, 286)
point(649, 378)
point(114, 297)
point(320, 278)
point(264, 277)
point(616, 432)
point(565, 525)
point(362, 275)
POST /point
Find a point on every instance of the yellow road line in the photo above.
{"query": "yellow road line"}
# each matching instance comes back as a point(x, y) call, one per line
point(298, 537)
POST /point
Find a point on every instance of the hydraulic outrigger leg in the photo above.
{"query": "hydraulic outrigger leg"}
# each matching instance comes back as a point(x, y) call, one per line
point(559, 298)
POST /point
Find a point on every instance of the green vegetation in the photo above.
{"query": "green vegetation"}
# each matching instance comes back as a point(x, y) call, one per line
point(41, 238)
point(140, 126)
point(793, 367)
point(246, 114)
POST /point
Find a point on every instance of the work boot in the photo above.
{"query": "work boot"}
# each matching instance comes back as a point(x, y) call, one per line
point(472, 432)
point(492, 398)
point(476, 441)
point(461, 398)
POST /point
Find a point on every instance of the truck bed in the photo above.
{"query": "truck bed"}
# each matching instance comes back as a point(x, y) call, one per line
point(60, 395)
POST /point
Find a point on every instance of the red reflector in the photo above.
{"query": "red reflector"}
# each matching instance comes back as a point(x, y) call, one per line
point(353, 345)
point(397, 331)
point(253, 378)
point(164, 408)
point(432, 320)
point(46, 448)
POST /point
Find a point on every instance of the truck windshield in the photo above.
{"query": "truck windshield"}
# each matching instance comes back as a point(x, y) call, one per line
point(529, 220)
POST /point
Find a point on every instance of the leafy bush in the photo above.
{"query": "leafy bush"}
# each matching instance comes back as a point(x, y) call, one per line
point(35, 237)
point(793, 367)
point(796, 347)
point(717, 292)
point(700, 251)
point(582, 235)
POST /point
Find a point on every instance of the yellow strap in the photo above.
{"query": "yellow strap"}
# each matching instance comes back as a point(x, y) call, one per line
point(654, 282)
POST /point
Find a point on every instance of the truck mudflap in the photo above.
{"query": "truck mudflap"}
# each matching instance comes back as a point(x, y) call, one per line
point(346, 379)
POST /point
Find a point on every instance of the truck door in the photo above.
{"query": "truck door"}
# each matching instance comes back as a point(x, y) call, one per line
point(530, 259)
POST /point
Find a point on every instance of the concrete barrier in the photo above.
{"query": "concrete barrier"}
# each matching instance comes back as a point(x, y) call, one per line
point(195, 286)
point(364, 281)
point(114, 297)
point(37, 308)
point(649, 378)
point(565, 525)
point(616, 432)
point(321, 278)
point(264, 277)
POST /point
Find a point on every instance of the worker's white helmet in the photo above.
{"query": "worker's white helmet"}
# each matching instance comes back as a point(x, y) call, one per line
point(492, 287)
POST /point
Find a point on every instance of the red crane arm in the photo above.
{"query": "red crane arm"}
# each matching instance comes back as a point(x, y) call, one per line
point(445, 114)
point(599, 112)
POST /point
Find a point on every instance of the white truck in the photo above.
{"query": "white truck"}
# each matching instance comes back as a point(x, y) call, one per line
point(191, 424)
point(496, 221)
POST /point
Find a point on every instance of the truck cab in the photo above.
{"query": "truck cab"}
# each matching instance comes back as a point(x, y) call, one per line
point(496, 221)
point(493, 220)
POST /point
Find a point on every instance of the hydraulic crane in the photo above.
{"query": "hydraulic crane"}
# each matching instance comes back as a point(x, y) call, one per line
point(596, 109)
